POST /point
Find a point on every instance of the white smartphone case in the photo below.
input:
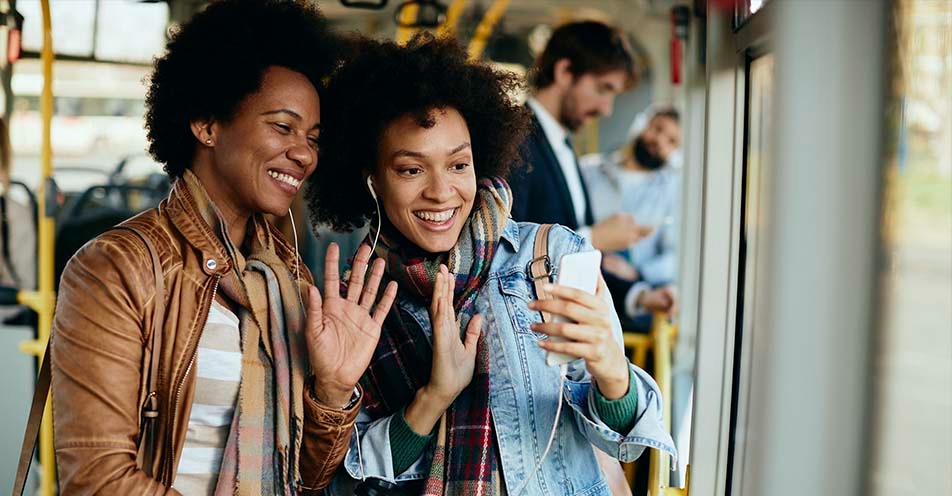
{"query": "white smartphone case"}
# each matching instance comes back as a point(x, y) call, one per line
point(579, 271)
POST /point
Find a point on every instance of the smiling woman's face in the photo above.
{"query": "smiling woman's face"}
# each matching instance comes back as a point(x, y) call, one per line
point(425, 178)
point(269, 148)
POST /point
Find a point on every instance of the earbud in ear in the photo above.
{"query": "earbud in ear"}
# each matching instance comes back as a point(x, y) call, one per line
point(370, 186)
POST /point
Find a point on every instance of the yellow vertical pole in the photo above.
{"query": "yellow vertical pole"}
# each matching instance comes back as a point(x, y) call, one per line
point(43, 300)
point(407, 15)
point(661, 332)
point(453, 13)
point(639, 344)
point(46, 233)
point(478, 44)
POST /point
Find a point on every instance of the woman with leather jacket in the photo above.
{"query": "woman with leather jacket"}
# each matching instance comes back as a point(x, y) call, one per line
point(458, 396)
point(243, 372)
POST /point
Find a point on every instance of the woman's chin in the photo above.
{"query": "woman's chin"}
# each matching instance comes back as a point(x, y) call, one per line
point(277, 209)
point(436, 243)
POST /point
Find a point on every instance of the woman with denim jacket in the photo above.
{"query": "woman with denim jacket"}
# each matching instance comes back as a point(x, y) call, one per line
point(458, 397)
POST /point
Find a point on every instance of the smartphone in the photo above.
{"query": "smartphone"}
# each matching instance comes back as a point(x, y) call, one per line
point(579, 271)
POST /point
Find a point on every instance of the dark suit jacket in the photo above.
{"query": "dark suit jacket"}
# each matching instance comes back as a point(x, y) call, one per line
point(541, 195)
point(539, 191)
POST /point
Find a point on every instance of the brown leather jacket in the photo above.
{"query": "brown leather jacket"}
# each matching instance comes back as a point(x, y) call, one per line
point(98, 346)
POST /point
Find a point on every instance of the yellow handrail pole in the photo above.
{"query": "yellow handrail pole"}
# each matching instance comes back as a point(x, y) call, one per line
point(478, 44)
point(639, 344)
point(43, 300)
point(453, 13)
point(407, 15)
point(661, 333)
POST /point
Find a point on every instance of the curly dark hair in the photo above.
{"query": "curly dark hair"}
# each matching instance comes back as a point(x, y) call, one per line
point(382, 82)
point(219, 57)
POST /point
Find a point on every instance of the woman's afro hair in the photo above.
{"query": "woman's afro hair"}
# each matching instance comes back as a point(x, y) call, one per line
point(219, 57)
point(381, 82)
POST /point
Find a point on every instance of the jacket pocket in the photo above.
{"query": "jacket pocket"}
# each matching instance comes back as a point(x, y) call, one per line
point(517, 291)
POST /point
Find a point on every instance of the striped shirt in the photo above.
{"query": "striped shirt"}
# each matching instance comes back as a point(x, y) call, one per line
point(218, 375)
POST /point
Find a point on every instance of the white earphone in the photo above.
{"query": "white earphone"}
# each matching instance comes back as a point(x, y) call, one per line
point(370, 186)
point(373, 194)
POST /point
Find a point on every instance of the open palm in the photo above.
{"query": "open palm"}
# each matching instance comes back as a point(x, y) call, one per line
point(454, 359)
point(342, 331)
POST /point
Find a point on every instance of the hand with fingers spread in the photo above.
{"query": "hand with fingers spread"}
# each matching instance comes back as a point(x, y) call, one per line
point(342, 331)
point(454, 359)
point(589, 335)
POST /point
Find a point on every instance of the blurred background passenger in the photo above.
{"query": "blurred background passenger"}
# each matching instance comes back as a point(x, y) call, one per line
point(640, 180)
point(583, 67)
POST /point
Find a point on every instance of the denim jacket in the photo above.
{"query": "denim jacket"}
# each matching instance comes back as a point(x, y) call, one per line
point(524, 392)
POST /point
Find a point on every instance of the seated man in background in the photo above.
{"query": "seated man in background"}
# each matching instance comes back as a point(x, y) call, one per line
point(639, 180)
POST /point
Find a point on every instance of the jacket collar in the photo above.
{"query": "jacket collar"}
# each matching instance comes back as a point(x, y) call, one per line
point(510, 234)
point(184, 215)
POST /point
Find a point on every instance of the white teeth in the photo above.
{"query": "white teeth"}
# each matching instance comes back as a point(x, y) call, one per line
point(435, 216)
point(285, 178)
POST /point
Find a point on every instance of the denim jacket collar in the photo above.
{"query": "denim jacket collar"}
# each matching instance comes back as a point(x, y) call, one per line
point(510, 234)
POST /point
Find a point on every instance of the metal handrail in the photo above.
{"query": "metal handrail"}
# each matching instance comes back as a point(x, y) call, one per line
point(407, 17)
point(43, 300)
point(485, 29)
point(453, 14)
point(659, 340)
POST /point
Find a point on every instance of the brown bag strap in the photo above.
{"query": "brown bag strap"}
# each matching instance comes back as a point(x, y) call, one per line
point(150, 403)
point(540, 267)
point(33, 423)
point(149, 408)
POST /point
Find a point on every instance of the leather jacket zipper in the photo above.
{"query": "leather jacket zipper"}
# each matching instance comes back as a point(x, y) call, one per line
point(170, 471)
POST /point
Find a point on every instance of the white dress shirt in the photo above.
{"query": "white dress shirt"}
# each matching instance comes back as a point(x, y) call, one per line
point(556, 135)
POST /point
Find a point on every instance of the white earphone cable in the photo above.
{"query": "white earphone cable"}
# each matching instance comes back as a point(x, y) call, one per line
point(297, 259)
point(373, 194)
point(297, 266)
point(360, 458)
point(563, 371)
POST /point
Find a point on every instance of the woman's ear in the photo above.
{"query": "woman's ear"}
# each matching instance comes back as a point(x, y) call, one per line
point(204, 131)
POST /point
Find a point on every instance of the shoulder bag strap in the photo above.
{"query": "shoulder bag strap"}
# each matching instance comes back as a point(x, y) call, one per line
point(149, 407)
point(33, 423)
point(150, 401)
point(540, 267)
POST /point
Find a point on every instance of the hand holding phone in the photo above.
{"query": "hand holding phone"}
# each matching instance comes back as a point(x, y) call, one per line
point(579, 271)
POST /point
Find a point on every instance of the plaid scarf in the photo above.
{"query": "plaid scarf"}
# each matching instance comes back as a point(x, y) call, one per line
point(465, 460)
point(263, 447)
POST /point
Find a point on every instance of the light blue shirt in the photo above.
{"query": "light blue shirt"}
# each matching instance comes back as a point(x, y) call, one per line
point(653, 198)
point(524, 392)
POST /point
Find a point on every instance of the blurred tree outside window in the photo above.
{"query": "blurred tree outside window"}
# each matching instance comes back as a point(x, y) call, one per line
point(912, 450)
